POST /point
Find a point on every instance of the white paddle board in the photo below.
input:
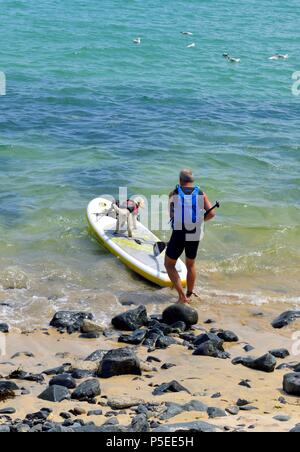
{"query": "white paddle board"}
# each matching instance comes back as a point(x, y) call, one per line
point(136, 252)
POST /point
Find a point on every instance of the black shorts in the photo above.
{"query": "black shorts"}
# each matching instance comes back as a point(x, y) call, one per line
point(179, 243)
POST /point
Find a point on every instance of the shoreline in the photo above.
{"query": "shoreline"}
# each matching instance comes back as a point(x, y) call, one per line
point(210, 381)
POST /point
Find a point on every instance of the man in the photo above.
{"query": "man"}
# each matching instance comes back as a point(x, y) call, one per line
point(188, 205)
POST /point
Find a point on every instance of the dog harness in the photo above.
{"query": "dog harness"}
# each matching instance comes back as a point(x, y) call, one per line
point(130, 205)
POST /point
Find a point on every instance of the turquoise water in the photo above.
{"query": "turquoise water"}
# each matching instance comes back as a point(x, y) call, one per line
point(86, 111)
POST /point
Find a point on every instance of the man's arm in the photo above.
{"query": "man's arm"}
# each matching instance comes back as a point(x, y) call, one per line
point(208, 205)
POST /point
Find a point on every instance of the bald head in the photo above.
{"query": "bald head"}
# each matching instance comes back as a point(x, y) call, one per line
point(186, 177)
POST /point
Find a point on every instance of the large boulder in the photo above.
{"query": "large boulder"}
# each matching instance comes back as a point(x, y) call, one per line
point(285, 319)
point(131, 320)
point(180, 313)
point(121, 361)
point(291, 384)
point(266, 363)
point(70, 321)
point(87, 390)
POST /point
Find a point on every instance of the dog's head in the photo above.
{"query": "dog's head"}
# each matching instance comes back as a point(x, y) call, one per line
point(140, 202)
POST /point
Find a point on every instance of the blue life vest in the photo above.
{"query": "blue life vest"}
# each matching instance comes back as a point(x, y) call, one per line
point(188, 211)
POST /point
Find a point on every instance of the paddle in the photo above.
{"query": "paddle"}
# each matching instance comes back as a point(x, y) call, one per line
point(159, 247)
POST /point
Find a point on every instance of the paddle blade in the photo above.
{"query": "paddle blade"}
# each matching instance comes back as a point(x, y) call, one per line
point(158, 248)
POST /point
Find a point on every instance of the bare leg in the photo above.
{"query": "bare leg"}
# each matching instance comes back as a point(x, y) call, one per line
point(130, 225)
point(191, 275)
point(170, 265)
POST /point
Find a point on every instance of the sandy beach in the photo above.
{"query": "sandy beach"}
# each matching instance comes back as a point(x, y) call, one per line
point(213, 382)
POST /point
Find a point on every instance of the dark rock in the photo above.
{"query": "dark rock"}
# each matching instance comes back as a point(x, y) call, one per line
point(98, 355)
point(151, 339)
point(196, 426)
point(291, 384)
point(245, 384)
point(233, 410)
point(285, 319)
point(188, 337)
point(70, 321)
point(212, 350)
point(195, 405)
point(140, 424)
point(7, 390)
point(248, 408)
point(8, 410)
point(215, 412)
point(95, 413)
point(65, 368)
point(160, 327)
point(217, 395)
point(63, 380)
point(209, 322)
point(55, 394)
point(228, 336)
point(21, 375)
point(87, 390)
point(119, 362)
point(167, 366)
point(90, 335)
point(242, 402)
point(150, 359)
point(4, 328)
point(111, 421)
point(280, 353)
point(135, 338)
point(209, 337)
point(79, 374)
point(266, 363)
point(8, 385)
point(178, 327)
point(172, 410)
point(248, 348)
point(131, 320)
point(164, 342)
point(296, 429)
point(65, 415)
point(180, 313)
point(282, 418)
point(173, 386)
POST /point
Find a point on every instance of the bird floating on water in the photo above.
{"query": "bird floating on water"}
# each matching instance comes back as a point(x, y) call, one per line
point(137, 41)
point(231, 59)
point(190, 46)
point(279, 56)
point(187, 33)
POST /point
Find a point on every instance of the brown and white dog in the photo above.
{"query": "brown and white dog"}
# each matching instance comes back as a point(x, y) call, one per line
point(127, 214)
